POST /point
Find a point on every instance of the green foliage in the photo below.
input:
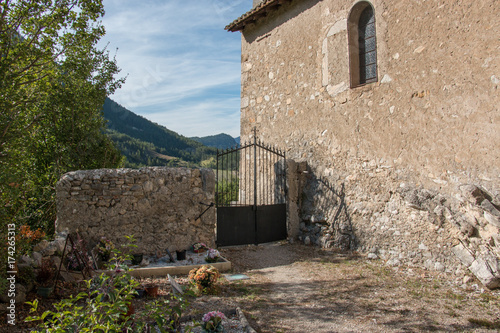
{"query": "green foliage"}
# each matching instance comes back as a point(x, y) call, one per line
point(166, 313)
point(101, 308)
point(104, 306)
point(220, 141)
point(53, 82)
point(145, 143)
point(227, 191)
point(139, 153)
point(90, 311)
point(210, 163)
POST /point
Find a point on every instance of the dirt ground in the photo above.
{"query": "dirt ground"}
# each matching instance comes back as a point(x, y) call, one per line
point(294, 288)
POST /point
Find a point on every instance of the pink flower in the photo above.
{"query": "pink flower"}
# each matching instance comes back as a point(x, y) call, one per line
point(213, 315)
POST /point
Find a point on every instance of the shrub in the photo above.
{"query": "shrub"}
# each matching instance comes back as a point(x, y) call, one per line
point(102, 307)
point(166, 313)
point(105, 248)
point(46, 273)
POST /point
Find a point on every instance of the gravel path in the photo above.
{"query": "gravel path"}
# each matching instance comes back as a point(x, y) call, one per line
point(295, 288)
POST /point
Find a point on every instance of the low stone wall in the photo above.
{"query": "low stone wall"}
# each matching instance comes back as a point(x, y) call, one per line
point(159, 206)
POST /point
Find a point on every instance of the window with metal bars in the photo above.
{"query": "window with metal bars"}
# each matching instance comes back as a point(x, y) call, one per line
point(362, 44)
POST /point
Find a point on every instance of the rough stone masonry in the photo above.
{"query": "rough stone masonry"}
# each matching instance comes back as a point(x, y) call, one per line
point(158, 206)
point(406, 168)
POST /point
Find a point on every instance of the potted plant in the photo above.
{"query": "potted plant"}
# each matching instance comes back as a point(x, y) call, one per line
point(181, 255)
point(213, 255)
point(104, 249)
point(212, 322)
point(199, 247)
point(44, 278)
point(151, 289)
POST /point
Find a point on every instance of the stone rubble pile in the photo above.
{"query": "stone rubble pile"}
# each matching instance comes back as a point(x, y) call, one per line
point(405, 224)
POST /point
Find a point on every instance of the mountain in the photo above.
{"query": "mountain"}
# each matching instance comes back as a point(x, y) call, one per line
point(219, 141)
point(144, 143)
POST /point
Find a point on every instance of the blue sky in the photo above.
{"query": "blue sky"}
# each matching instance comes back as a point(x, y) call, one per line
point(183, 68)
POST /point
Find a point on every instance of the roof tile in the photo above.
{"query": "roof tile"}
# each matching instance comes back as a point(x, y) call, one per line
point(258, 11)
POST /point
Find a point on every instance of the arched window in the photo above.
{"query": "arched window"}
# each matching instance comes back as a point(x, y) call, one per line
point(362, 44)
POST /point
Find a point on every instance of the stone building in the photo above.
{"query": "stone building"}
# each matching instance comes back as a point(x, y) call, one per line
point(394, 107)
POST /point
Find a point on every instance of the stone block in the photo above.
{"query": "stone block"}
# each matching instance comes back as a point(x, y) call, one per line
point(464, 254)
point(486, 269)
point(41, 246)
point(20, 297)
point(472, 194)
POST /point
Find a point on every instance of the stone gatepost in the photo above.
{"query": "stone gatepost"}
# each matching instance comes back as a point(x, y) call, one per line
point(295, 173)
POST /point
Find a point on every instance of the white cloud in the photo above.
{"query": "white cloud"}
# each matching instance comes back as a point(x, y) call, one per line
point(182, 66)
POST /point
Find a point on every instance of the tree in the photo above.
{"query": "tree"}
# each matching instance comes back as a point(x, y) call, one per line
point(53, 83)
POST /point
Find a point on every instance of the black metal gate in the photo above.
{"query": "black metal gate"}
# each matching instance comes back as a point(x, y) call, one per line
point(250, 195)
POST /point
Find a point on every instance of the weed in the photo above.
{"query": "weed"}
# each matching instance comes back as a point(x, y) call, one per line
point(457, 297)
point(487, 298)
point(485, 323)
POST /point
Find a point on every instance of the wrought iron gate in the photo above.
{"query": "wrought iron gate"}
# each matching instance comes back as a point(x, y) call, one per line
point(250, 195)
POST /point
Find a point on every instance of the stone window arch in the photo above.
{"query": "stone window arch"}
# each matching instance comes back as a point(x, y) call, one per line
point(362, 44)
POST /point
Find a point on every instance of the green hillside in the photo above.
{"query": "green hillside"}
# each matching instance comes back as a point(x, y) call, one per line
point(144, 143)
point(220, 141)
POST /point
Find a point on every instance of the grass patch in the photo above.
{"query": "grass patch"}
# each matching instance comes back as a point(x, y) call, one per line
point(485, 323)
point(487, 298)
point(247, 291)
point(454, 296)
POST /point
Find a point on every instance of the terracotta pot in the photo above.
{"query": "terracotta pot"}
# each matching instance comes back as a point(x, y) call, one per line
point(130, 311)
point(152, 291)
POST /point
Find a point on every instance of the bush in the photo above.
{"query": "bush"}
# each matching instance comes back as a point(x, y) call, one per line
point(166, 313)
point(101, 308)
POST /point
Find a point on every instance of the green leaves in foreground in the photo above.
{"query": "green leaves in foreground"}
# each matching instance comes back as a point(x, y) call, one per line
point(53, 83)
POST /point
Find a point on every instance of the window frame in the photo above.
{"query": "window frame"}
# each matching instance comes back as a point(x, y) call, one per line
point(354, 47)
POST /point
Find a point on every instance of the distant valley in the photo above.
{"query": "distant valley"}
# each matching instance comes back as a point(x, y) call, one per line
point(145, 143)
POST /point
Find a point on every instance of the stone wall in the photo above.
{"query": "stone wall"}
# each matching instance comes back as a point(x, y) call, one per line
point(407, 168)
point(159, 206)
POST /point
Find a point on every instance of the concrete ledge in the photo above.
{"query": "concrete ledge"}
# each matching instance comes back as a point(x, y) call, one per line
point(244, 322)
point(222, 266)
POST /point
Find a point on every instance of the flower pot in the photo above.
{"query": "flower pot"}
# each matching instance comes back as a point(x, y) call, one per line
point(137, 259)
point(181, 255)
point(44, 291)
point(140, 292)
point(152, 291)
point(130, 310)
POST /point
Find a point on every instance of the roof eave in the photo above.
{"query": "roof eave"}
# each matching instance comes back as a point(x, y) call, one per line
point(260, 11)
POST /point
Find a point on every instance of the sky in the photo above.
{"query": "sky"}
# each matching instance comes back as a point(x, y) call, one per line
point(182, 67)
